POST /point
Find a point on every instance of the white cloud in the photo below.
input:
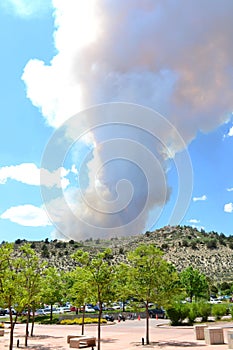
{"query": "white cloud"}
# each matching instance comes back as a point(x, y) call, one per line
point(74, 169)
point(230, 132)
point(27, 215)
point(26, 8)
point(30, 174)
point(230, 189)
point(194, 221)
point(202, 198)
point(228, 208)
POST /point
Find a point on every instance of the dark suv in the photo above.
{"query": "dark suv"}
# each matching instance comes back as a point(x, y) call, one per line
point(159, 312)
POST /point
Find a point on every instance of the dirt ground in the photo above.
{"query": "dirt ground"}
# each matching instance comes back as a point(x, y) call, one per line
point(119, 336)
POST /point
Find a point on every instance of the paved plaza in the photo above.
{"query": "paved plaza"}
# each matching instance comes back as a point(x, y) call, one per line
point(119, 336)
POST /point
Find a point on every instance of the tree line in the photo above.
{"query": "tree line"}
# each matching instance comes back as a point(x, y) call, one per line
point(26, 282)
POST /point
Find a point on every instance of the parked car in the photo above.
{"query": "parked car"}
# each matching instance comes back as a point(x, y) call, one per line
point(40, 312)
point(2, 312)
point(13, 311)
point(108, 317)
point(116, 306)
point(89, 309)
point(73, 308)
point(63, 309)
point(157, 312)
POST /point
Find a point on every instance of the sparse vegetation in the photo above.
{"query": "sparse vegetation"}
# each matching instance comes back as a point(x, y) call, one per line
point(210, 253)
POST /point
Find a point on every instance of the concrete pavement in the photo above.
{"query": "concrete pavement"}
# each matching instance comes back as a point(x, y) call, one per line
point(119, 336)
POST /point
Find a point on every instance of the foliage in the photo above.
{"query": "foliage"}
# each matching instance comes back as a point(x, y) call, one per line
point(212, 243)
point(194, 283)
point(99, 274)
point(31, 281)
point(204, 310)
point(193, 312)
point(152, 279)
point(177, 313)
point(52, 288)
point(219, 310)
point(79, 321)
point(42, 319)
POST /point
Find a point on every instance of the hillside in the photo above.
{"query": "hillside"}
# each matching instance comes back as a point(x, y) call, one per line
point(211, 253)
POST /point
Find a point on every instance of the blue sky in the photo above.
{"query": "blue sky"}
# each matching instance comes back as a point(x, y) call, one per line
point(59, 59)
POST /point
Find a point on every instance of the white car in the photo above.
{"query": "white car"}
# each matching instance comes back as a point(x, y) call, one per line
point(62, 310)
point(89, 309)
point(215, 301)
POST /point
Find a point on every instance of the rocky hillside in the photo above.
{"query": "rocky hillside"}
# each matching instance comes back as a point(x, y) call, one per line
point(211, 253)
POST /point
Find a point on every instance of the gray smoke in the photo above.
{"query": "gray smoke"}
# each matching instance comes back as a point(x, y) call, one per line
point(172, 56)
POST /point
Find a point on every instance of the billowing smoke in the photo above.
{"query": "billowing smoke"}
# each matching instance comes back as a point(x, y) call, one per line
point(172, 56)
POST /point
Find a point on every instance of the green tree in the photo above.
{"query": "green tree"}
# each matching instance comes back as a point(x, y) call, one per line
point(152, 279)
point(123, 288)
point(31, 282)
point(11, 284)
point(80, 291)
point(52, 288)
point(100, 275)
point(194, 283)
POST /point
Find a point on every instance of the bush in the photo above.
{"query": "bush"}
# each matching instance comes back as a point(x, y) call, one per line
point(219, 310)
point(178, 313)
point(212, 244)
point(192, 312)
point(42, 319)
point(87, 320)
point(204, 310)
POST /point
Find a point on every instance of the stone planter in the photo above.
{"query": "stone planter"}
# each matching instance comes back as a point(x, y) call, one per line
point(199, 331)
point(214, 335)
point(230, 339)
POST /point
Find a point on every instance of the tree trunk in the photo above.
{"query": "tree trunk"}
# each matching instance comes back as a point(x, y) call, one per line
point(99, 325)
point(12, 322)
point(123, 306)
point(83, 318)
point(33, 320)
point(51, 313)
point(147, 324)
point(27, 326)
point(12, 330)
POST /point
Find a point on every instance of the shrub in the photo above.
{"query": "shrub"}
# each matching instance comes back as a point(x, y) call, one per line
point(192, 312)
point(87, 320)
point(212, 243)
point(219, 310)
point(42, 319)
point(2, 325)
point(185, 243)
point(193, 244)
point(204, 310)
point(164, 246)
point(177, 313)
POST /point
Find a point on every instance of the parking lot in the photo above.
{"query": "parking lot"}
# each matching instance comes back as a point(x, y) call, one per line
point(119, 336)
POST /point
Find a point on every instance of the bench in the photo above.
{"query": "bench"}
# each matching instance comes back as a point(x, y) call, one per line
point(82, 342)
point(73, 336)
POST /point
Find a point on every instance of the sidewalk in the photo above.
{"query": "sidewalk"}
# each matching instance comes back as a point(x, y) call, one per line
point(119, 336)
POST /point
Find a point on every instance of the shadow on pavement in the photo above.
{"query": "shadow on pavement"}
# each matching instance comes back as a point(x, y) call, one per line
point(181, 344)
point(108, 340)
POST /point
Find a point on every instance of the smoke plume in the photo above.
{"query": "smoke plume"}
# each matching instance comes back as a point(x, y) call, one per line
point(174, 57)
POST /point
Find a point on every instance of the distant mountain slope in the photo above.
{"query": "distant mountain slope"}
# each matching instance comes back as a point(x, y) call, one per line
point(211, 253)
